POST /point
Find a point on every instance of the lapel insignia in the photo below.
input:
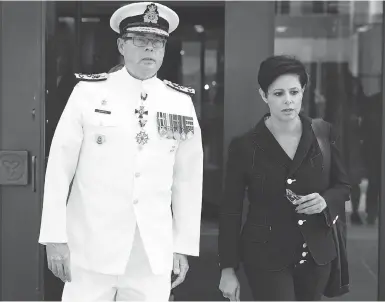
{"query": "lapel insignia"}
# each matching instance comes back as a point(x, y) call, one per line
point(188, 90)
point(91, 77)
point(100, 139)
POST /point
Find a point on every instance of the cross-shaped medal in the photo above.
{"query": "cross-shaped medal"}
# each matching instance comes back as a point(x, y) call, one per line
point(141, 111)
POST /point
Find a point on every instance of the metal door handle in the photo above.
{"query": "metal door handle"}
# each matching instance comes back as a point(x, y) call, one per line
point(33, 171)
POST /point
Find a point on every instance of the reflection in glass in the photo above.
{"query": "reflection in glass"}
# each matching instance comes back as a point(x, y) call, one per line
point(333, 38)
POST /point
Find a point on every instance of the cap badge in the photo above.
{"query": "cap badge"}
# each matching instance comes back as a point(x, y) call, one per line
point(151, 14)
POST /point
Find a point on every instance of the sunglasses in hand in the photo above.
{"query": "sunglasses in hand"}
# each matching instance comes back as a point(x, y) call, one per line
point(291, 196)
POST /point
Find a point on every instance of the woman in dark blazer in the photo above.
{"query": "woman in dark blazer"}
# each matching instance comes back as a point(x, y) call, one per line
point(286, 248)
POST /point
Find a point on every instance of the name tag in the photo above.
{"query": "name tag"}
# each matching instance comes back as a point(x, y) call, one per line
point(102, 111)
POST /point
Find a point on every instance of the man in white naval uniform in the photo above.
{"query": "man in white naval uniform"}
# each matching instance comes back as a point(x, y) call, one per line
point(131, 145)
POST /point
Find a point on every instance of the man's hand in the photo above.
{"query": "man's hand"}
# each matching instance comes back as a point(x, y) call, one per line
point(180, 269)
point(58, 258)
point(229, 285)
point(310, 204)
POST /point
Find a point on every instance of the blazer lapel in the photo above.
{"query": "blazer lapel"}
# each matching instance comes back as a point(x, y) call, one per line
point(304, 145)
point(263, 139)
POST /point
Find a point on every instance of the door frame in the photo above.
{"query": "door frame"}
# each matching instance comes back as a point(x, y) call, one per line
point(381, 227)
point(22, 100)
point(1, 101)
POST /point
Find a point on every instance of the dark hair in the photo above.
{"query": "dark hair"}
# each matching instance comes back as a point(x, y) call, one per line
point(275, 66)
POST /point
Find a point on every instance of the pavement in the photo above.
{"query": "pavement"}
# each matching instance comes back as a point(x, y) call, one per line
point(202, 280)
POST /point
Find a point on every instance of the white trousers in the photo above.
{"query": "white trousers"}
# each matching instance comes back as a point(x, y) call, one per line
point(137, 284)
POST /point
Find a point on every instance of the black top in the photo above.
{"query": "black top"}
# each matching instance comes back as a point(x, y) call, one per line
point(270, 237)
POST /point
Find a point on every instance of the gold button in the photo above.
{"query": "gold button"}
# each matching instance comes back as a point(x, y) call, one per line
point(304, 245)
point(136, 201)
point(137, 174)
point(304, 254)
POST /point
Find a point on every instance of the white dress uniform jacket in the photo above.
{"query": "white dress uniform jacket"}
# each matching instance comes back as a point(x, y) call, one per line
point(116, 184)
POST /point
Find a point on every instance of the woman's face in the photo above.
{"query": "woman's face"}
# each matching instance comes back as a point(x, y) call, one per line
point(284, 97)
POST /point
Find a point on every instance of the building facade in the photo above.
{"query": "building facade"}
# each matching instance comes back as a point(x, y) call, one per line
point(217, 50)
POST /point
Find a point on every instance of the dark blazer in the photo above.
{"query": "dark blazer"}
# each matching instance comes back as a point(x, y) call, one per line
point(273, 231)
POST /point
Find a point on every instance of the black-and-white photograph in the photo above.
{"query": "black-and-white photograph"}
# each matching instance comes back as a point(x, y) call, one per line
point(192, 151)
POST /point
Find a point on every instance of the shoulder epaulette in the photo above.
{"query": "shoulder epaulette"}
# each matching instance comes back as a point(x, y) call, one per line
point(92, 77)
point(187, 90)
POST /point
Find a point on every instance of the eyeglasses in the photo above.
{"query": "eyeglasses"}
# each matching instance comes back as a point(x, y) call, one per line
point(143, 41)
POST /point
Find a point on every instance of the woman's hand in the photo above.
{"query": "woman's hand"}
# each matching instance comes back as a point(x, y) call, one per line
point(310, 204)
point(229, 285)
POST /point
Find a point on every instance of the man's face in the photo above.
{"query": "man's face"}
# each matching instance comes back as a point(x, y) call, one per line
point(143, 53)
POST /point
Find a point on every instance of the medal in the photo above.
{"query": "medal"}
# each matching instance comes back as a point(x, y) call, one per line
point(142, 138)
point(189, 126)
point(177, 136)
point(161, 120)
point(169, 134)
point(140, 112)
point(174, 126)
point(183, 128)
point(143, 96)
point(162, 132)
point(183, 136)
point(142, 123)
